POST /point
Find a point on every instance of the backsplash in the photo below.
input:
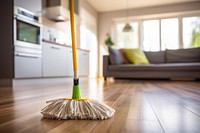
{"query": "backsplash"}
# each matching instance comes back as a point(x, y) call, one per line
point(56, 32)
point(55, 35)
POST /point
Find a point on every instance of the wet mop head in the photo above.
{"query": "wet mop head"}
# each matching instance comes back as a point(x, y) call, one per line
point(77, 108)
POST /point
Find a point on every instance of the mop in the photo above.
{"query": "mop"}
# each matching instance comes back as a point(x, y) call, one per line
point(76, 107)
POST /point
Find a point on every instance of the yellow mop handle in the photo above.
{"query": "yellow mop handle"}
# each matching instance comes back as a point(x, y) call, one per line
point(73, 33)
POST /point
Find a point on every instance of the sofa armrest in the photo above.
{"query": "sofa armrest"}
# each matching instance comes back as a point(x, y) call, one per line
point(105, 65)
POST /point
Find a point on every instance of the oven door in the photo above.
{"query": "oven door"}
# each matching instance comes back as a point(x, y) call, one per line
point(27, 33)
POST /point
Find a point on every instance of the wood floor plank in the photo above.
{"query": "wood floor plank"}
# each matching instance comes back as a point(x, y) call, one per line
point(171, 113)
point(142, 126)
point(141, 106)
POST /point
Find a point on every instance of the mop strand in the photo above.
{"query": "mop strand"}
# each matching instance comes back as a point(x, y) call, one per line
point(85, 108)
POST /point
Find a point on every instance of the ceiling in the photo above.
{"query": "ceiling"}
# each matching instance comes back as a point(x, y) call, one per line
point(112, 5)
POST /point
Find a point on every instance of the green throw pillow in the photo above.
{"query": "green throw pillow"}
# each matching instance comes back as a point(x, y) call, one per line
point(136, 56)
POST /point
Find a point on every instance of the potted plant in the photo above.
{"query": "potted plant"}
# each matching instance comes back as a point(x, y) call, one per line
point(108, 40)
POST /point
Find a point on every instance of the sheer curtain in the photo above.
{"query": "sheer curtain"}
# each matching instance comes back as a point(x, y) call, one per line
point(125, 39)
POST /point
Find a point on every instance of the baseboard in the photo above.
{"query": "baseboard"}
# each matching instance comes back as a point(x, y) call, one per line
point(38, 81)
point(183, 79)
point(44, 81)
point(6, 82)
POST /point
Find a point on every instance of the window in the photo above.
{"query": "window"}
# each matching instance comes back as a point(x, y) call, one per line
point(169, 34)
point(191, 32)
point(151, 35)
point(160, 34)
point(127, 39)
point(85, 35)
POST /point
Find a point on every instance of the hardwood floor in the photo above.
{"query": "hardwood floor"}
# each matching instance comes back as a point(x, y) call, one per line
point(141, 106)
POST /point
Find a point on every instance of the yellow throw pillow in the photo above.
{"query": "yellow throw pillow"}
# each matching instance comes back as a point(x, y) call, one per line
point(136, 56)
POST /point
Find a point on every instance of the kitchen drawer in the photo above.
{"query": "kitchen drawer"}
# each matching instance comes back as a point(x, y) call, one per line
point(28, 65)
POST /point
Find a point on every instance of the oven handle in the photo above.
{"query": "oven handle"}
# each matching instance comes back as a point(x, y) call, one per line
point(28, 55)
point(28, 21)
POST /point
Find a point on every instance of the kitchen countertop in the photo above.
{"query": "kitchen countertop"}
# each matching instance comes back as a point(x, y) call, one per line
point(60, 44)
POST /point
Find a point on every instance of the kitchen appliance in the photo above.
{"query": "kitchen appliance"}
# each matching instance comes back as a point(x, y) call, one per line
point(27, 29)
point(56, 10)
point(27, 44)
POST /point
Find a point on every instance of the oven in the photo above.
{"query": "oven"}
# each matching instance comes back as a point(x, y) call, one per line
point(27, 44)
point(27, 29)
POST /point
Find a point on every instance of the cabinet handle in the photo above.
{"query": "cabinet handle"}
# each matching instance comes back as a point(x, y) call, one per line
point(28, 56)
point(55, 48)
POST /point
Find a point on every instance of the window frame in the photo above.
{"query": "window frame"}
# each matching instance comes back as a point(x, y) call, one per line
point(141, 19)
point(180, 25)
point(182, 28)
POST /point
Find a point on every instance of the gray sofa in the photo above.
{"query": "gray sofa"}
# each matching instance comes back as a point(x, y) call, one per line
point(171, 64)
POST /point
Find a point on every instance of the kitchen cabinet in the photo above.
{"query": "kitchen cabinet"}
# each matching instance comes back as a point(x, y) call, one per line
point(83, 61)
point(69, 62)
point(33, 5)
point(55, 62)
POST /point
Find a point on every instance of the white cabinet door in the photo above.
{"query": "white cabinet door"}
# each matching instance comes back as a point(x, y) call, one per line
point(57, 61)
point(83, 60)
point(69, 62)
point(78, 52)
point(54, 60)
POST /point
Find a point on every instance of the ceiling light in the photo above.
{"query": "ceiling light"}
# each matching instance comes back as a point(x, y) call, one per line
point(127, 27)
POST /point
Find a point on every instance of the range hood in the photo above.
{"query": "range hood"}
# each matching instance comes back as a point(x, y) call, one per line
point(56, 10)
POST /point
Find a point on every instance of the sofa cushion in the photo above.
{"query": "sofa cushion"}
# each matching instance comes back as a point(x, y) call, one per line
point(136, 56)
point(157, 67)
point(125, 59)
point(115, 56)
point(183, 55)
point(156, 57)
